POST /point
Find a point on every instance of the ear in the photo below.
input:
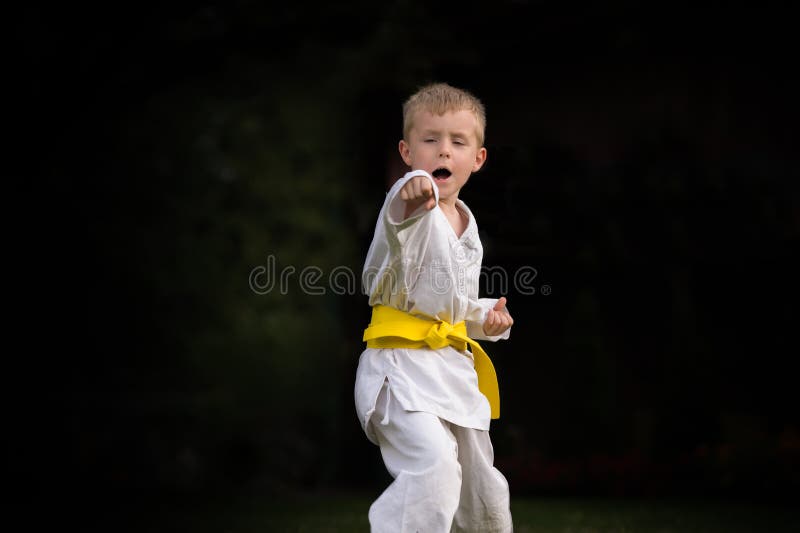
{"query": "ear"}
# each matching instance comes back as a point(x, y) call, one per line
point(480, 159)
point(405, 152)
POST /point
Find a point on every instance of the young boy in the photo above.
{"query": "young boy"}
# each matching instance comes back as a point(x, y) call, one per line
point(420, 394)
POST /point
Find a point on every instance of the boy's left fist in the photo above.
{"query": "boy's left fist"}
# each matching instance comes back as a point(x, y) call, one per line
point(497, 319)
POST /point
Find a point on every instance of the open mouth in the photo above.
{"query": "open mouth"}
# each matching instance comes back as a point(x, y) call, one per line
point(441, 173)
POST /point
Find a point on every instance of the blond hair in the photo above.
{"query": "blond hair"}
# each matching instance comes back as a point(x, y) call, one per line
point(439, 98)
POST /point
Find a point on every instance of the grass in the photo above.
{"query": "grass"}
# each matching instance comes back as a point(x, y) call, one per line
point(347, 513)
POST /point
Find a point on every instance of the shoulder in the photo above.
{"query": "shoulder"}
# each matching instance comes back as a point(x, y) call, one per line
point(472, 223)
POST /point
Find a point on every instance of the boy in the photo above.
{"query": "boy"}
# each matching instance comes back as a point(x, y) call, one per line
point(420, 395)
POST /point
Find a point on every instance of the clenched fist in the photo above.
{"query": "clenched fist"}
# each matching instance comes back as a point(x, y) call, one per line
point(497, 319)
point(417, 191)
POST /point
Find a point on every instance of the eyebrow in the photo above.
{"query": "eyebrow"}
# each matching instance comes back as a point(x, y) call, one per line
point(461, 134)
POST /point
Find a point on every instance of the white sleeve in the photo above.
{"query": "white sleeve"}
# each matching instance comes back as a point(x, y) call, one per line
point(475, 327)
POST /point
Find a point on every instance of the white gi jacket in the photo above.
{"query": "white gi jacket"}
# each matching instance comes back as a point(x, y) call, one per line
point(420, 266)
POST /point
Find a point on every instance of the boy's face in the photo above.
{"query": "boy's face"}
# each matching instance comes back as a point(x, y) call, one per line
point(446, 146)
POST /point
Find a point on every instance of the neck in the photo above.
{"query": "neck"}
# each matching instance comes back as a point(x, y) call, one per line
point(448, 204)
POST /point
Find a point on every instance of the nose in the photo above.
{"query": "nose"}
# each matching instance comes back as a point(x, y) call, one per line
point(444, 149)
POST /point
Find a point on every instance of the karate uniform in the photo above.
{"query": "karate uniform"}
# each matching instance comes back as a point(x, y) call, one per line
point(422, 406)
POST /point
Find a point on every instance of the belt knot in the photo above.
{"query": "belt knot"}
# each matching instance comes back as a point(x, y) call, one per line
point(437, 335)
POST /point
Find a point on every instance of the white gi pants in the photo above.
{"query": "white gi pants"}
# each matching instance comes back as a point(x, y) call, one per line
point(444, 480)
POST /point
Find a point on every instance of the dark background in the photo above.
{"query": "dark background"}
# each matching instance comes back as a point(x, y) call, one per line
point(642, 160)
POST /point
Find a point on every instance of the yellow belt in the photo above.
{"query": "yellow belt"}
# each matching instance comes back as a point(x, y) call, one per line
point(391, 328)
